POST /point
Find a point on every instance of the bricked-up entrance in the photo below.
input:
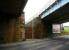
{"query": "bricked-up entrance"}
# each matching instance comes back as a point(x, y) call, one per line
point(34, 29)
point(12, 28)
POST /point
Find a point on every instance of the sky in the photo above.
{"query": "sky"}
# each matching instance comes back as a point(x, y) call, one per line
point(66, 24)
point(34, 7)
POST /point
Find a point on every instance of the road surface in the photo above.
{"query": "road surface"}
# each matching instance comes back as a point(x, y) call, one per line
point(38, 44)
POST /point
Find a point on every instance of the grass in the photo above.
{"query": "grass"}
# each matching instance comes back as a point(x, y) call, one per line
point(66, 29)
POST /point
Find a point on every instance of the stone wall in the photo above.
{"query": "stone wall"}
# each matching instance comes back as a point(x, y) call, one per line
point(12, 29)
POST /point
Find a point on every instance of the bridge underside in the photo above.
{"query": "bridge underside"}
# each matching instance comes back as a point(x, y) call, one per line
point(61, 15)
point(12, 7)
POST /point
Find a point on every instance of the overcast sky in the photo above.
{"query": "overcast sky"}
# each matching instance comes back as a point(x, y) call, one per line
point(34, 7)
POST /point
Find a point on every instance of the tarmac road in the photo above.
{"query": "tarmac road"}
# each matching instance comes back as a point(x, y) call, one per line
point(38, 44)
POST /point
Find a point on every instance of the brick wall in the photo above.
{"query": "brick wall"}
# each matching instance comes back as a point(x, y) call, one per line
point(37, 29)
point(12, 29)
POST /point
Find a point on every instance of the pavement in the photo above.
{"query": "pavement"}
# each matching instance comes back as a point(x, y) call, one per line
point(38, 44)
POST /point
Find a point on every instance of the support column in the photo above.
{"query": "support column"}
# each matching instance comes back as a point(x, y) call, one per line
point(20, 28)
